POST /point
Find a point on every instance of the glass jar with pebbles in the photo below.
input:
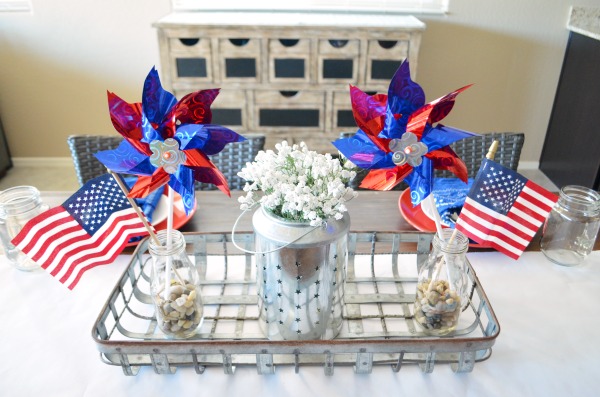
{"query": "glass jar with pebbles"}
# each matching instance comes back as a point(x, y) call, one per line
point(442, 284)
point(175, 286)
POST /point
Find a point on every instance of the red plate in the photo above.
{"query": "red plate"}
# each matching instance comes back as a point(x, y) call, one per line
point(417, 218)
point(415, 215)
point(180, 218)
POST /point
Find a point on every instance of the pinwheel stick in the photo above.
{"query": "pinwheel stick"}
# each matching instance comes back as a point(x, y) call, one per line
point(438, 225)
point(169, 263)
point(149, 228)
point(490, 156)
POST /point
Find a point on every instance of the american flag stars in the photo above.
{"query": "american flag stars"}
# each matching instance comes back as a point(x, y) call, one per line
point(89, 229)
point(91, 207)
point(499, 189)
point(504, 210)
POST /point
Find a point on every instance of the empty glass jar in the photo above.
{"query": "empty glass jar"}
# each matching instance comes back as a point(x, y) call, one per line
point(175, 287)
point(572, 226)
point(18, 205)
point(442, 284)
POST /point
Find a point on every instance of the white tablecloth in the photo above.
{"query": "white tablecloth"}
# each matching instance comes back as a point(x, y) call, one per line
point(549, 343)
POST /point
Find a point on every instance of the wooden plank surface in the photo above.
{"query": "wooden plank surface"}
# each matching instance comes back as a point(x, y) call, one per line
point(370, 211)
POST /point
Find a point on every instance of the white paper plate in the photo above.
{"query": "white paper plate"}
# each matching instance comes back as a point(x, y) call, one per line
point(161, 211)
point(428, 209)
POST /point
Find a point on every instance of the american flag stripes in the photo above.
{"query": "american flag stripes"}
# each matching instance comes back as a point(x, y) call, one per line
point(89, 229)
point(503, 209)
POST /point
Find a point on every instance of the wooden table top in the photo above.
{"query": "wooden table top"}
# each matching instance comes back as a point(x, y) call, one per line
point(369, 211)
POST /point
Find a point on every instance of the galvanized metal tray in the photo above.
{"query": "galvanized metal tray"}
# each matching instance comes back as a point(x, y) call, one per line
point(378, 329)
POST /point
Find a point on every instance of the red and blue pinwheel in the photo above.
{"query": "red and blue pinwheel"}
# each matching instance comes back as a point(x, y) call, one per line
point(397, 140)
point(167, 141)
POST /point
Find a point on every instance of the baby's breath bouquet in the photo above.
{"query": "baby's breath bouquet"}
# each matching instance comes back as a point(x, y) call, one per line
point(297, 184)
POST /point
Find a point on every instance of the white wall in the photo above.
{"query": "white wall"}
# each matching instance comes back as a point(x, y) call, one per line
point(512, 50)
point(56, 65)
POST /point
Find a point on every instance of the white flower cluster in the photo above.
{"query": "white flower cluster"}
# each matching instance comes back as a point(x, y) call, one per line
point(297, 184)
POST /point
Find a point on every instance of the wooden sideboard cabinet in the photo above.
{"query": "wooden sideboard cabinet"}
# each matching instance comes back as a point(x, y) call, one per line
point(286, 75)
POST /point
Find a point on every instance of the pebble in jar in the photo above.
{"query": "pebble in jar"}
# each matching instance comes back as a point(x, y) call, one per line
point(442, 284)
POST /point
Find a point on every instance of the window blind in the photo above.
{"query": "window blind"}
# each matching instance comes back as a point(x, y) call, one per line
point(379, 6)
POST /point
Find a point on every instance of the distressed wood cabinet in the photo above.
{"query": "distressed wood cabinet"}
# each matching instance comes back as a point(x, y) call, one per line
point(286, 75)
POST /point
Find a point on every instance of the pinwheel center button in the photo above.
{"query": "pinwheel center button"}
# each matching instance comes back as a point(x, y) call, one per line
point(407, 149)
point(399, 158)
point(166, 154)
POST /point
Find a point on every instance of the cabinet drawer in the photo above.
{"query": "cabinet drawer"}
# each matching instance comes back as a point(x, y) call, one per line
point(239, 60)
point(190, 60)
point(339, 47)
point(189, 45)
point(383, 59)
point(341, 112)
point(288, 98)
point(317, 141)
point(289, 60)
point(289, 46)
point(191, 69)
point(228, 109)
point(282, 110)
point(338, 61)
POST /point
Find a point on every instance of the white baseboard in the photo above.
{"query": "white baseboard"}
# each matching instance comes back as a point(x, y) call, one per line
point(42, 161)
point(529, 165)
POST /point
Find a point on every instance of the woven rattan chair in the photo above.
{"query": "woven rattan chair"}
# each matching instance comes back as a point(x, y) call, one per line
point(473, 150)
point(233, 158)
point(83, 148)
point(229, 161)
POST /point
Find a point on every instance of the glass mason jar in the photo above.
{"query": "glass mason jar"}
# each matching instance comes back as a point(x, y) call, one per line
point(442, 285)
point(571, 228)
point(175, 287)
point(18, 205)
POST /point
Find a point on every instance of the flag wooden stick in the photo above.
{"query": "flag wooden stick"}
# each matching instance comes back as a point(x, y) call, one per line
point(149, 228)
point(492, 150)
point(137, 210)
point(490, 156)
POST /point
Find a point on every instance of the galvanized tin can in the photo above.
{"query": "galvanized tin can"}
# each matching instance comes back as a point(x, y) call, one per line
point(300, 276)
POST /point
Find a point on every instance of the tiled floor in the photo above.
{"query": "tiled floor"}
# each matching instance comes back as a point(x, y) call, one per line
point(61, 177)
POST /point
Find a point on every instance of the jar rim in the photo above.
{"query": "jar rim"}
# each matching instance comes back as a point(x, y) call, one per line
point(282, 220)
point(19, 199)
point(295, 234)
point(459, 244)
point(582, 198)
point(178, 243)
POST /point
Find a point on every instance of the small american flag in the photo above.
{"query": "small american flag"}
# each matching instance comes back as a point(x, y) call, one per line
point(503, 209)
point(89, 229)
